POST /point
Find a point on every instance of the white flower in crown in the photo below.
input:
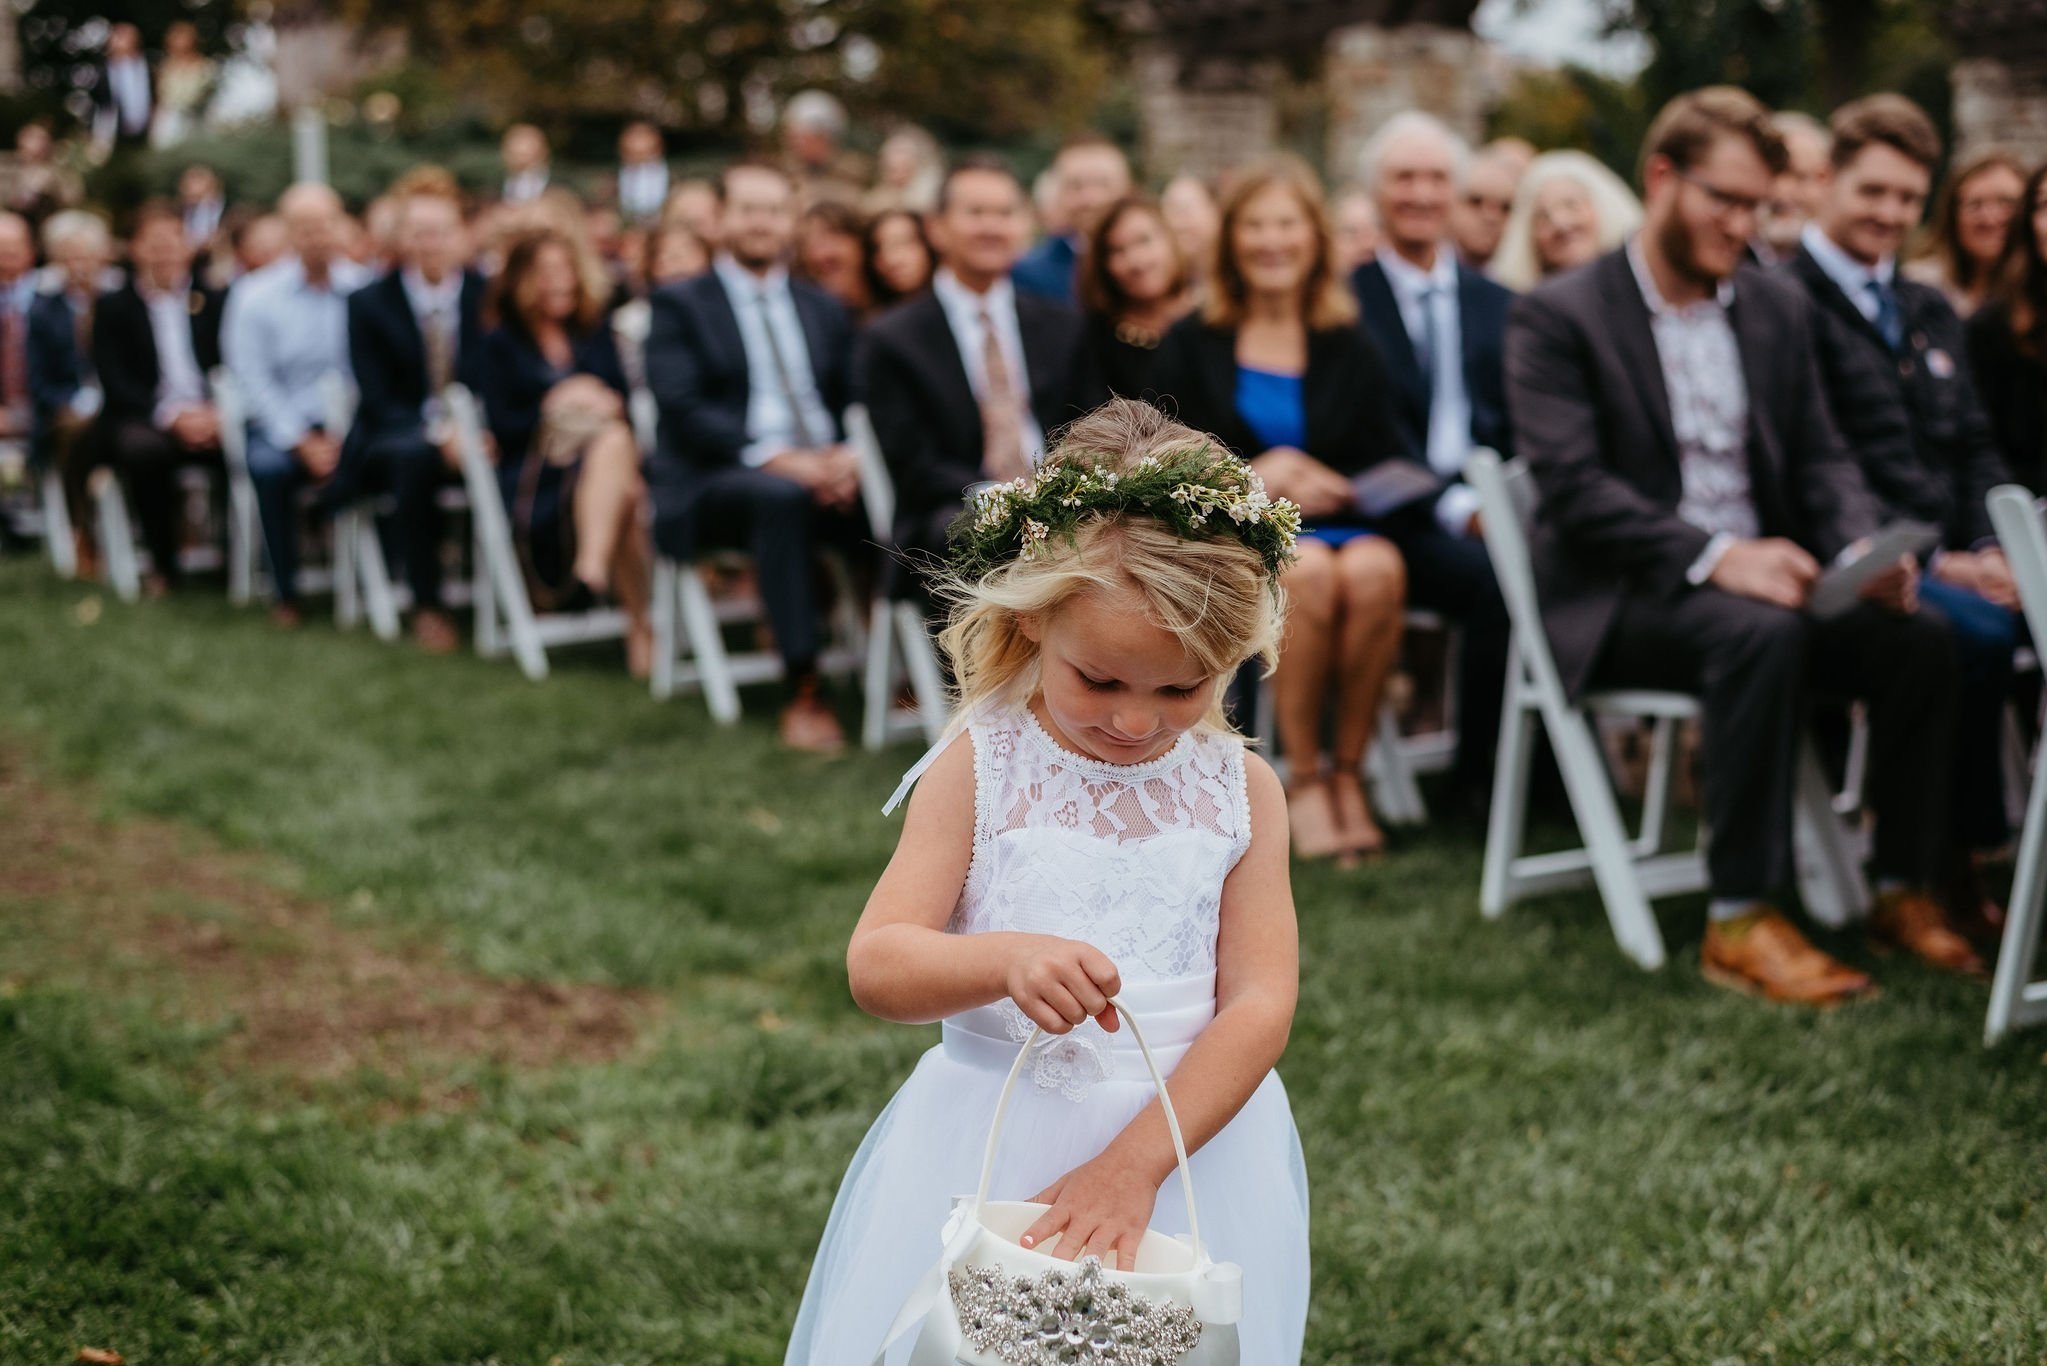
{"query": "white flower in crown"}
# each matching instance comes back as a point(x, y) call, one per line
point(1033, 534)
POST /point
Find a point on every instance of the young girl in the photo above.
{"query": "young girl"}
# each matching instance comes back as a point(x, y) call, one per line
point(1097, 831)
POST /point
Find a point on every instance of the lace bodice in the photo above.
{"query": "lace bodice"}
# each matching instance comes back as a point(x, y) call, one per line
point(1128, 857)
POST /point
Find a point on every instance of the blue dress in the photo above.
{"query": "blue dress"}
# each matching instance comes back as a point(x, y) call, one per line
point(1274, 408)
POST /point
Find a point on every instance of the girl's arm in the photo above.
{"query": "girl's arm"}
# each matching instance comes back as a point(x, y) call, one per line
point(1104, 1205)
point(904, 966)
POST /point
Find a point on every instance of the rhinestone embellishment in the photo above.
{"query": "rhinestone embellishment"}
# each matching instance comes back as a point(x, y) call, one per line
point(1060, 1318)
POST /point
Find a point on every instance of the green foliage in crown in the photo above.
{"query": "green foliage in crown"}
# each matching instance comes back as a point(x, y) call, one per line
point(1201, 493)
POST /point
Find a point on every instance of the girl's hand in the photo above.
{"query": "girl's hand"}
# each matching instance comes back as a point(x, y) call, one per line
point(1061, 982)
point(1100, 1207)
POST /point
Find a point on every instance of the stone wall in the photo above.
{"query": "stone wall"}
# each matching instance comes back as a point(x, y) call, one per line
point(1371, 73)
point(2001, 103)
point(1203, 115)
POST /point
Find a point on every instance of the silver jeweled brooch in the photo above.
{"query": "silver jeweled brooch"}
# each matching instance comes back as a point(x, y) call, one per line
point(1060, 1318)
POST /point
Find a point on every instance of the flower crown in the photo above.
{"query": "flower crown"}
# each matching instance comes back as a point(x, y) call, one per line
point(1201, 492)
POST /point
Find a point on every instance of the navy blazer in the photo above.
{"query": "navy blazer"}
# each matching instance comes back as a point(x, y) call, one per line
point(697, 371)
point(124, 347)
point(1913, 419)
point(387, 352)
point(1482, 306)
point(56, 370)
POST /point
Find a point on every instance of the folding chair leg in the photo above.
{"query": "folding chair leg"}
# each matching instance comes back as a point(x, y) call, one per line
point(1398, 796)
point(489, 630)
point(1507, 821)
point(927, 680)
point(877, 684)
point(117, 537)
point(1606, 841)
point(1662, 778)
point(2009, 1006)
point(347, 577)
point(700, 623)
point(1830, 875)
point(662, 681)
point(372, 576)
point(244, 541)
point(57, 538)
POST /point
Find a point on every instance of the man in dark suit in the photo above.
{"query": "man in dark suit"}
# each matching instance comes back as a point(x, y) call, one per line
point(1441, 328)
point(1894, 359)
point(752, 371)
point(154, 341)
point(63, 390)
point(1693, 484)
point(965, 381)
point(123, 92)
point(411, 334)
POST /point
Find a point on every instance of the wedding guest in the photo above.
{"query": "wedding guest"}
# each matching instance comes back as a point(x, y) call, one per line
point(2008, 341)
point(203, 202)
point(1190, 211)
point(1356, 221)
point(1971, 223)
point(753, 371)
point(184, 83)
point(1795, 190)
point(1478, 214)
point(829, 253)
point(1275, 366)
point(154, 341)
point(32, 183)
point(965, 380)
point(284, 337)
point(524, 154)
point(1134, 284)
point(1683, 524)
point(813, 154)
point(63, 387)
point(1440, 328)
point(907, 170)
point(411, 334)
point(1569, 211)
point(694, 204)
point(642, 173)
point(568, 465)
point(897, 259)
point(123, 93)
point(1089, 174)
point(1894, 363)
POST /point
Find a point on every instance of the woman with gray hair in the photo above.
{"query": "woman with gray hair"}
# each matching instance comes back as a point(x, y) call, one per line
point(1569, 210)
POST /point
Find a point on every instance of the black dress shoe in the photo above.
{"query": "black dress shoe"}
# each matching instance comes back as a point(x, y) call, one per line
point(580, 597)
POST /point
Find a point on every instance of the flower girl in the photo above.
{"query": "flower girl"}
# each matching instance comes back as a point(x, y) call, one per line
point(1097, 831)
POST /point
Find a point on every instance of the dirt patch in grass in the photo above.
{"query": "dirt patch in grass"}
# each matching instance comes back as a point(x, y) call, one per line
point(143, 908)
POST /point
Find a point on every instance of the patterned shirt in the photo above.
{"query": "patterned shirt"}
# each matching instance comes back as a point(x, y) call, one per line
point(1708, 407)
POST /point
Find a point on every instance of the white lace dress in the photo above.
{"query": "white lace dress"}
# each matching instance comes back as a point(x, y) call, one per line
point(1130, 858)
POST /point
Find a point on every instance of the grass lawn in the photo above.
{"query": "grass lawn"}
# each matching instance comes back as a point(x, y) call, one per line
point(362, 1007)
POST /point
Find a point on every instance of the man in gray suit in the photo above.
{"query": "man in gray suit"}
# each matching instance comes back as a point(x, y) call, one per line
point(1693, 486)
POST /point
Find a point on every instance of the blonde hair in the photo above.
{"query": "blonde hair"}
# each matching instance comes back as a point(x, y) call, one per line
point(1326, 300)
point(1614, 208)
point(1212, 593)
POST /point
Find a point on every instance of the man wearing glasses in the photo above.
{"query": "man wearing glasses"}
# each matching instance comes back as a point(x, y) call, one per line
point(1693, 484)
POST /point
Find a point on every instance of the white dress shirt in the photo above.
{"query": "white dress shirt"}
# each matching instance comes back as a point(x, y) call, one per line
point(128, 82)
point(1422, 295)
point(180, 383)
point(760, 303)
point(963, 314)
point(281, 337)
point(1708, 394)
point(1851, 275)
point(642, 188)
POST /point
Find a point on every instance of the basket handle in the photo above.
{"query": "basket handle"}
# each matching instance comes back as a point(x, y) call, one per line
point(1165, 1102)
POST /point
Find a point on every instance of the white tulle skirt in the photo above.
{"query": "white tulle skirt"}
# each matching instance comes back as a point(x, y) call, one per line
point(925, 1150)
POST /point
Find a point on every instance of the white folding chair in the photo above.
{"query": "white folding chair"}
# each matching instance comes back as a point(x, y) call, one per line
point(505, 619)
point(1628, 871)
point(898, 645)
point(2016, 1000)
point(689, 625)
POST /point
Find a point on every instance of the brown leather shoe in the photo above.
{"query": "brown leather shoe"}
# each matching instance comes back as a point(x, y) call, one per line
point(435, 632)
point(286, 616)
point(1763, 954)
point(1916, 924)
point(809, 725)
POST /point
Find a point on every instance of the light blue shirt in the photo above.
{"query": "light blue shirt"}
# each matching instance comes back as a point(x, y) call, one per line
point(280, 337)
point(1851, 275)
point(759, 303)
point(1423, 296)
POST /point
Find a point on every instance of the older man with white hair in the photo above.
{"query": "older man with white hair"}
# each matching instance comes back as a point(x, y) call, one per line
point(63, 388)
point(1441, 327)
point(284, 332)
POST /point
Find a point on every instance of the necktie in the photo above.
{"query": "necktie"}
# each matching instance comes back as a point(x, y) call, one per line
point(805, 437)
point(440, 350)
point(1425, 354)
point(1889, 321)
point(1436, 358)
point(1002, 452)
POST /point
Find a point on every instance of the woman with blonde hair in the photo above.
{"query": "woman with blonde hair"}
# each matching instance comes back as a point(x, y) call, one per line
point(554, 394)
point(1275, 365)
point(1569, 210)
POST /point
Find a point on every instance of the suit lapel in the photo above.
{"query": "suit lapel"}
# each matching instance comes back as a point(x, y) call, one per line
point(408, 332)
point(1752, 337)
point(943, 352)
point(812, 325)
point(1629, 312)
point(1388, 331)
point(723, 324)
point(1830, 296)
